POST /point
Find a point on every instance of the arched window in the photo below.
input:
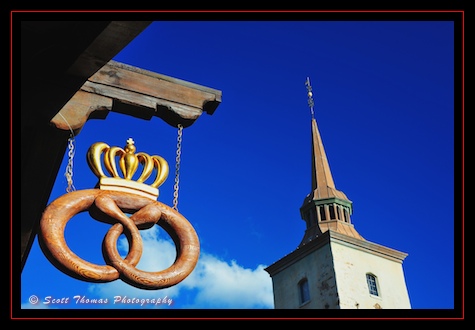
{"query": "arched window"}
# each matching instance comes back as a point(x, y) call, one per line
point(372, 284)
point(304, 292)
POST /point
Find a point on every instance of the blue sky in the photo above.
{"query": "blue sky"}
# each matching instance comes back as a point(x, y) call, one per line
point(384, 103)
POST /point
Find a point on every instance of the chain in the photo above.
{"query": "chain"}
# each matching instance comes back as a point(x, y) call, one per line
point(69, 168)
point(177, 167)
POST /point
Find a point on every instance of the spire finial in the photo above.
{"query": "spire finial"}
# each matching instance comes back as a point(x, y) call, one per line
point(310, 95)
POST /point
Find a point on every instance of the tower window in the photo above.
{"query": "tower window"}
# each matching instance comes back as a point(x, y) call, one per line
point(372, 284)
point(322, 213)
point(304, 291)
point(332, 211)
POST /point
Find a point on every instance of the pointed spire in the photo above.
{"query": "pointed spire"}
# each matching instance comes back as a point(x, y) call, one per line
point(325, 208)
point(322, 179)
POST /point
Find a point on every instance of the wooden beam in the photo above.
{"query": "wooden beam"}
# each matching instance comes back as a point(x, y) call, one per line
point(146, 93)
point(106, 45)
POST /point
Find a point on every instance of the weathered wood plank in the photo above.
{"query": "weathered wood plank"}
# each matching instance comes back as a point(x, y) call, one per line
point(106, 45)
point(173, 100)
point(136, 98)
point(78, 109)
point(150, 84)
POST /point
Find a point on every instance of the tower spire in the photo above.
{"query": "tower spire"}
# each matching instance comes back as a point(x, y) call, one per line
point(322, 179)
point(325, 208)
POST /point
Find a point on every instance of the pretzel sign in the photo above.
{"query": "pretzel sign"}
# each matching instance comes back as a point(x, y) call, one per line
point(115, 197)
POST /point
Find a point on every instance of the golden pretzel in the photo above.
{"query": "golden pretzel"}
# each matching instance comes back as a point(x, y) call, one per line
point(109, 206)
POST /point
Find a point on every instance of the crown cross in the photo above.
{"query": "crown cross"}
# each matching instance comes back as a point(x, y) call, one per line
point(129, 162)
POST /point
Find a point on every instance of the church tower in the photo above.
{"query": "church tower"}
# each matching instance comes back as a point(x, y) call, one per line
point(334, 267)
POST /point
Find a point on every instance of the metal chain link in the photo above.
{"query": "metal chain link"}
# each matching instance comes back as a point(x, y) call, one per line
point(177, 167)
point(69, 168)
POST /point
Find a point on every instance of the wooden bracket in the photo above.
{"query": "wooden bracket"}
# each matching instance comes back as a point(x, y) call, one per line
point(136, 92)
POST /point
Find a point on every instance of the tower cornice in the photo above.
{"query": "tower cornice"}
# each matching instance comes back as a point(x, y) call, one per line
point(331, 236)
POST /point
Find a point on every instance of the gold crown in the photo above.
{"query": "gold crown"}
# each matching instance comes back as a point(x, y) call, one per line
point(128, 162)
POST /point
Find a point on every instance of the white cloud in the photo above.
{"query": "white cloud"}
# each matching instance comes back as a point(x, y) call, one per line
point(214, 283)
point(228, 285)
